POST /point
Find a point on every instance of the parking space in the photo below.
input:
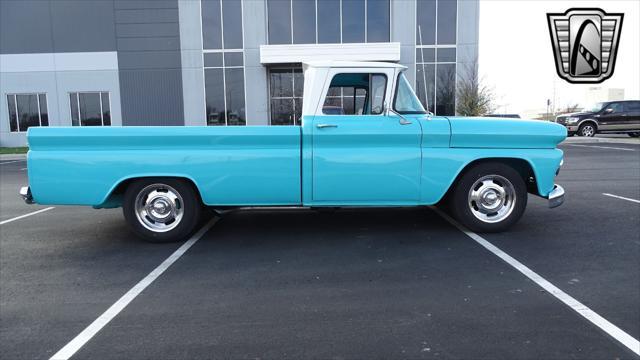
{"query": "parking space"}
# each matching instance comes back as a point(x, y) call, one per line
point(375, 283)
point(13, 176)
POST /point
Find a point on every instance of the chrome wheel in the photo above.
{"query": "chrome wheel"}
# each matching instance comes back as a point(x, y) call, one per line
point(492, 198)
point(588, 131)
point(159, 207)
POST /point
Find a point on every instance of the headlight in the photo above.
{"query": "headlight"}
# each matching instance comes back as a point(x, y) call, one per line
point(572, 120)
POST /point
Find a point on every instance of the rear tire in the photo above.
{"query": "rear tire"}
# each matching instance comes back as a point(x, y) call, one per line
point(489, 197)
point(162, 210)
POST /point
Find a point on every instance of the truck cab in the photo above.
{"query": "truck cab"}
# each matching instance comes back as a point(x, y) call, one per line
point(370, 150)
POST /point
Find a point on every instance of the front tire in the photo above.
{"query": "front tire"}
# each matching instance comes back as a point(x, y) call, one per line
point(588, 130)
point(162, 209)
point(489, 197)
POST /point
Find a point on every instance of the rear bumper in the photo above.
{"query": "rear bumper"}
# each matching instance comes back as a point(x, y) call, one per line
point(556, 196)
point(25, 193)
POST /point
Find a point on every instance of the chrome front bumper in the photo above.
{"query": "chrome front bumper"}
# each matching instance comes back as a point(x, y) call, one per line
point(25, 192)
point(556, 196)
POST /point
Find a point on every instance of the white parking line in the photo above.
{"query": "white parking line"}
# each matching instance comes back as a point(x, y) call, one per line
point(10, 162)
point(622, 198)
point(90, 331)
point(614, 331)
point(603, 147)
point(25, 215)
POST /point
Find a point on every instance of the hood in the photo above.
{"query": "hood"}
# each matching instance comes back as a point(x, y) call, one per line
point(478, 132)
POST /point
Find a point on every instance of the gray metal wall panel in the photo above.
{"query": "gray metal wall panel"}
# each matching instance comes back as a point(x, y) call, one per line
point(149, 62)
point(56, 26)
point(129, 60)
point(191, 58)
point(147, 15)
point(149, 44)
point(151, 97)
point(146, 4)
point(403, 25)
point(152, 30)
point(25, 27)
point(257, 90)
point(468, 33)
point(82, 26)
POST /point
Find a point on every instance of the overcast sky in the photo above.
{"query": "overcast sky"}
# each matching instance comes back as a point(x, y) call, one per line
point(516, 57)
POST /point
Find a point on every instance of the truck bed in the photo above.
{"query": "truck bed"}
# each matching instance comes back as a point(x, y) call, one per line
point(253, 165)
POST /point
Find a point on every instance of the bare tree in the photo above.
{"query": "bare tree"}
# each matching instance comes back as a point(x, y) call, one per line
point(446, 91)
point(570, 108)
point(474, 97)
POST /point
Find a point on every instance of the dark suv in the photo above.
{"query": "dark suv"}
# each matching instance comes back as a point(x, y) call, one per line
point(604, 117)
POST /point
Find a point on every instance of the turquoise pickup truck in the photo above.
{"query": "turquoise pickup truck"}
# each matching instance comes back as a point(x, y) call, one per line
point(365, 140)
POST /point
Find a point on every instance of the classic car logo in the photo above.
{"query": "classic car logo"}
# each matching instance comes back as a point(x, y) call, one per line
point(585, 44)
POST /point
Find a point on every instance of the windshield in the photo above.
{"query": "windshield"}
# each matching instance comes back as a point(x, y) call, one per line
point(594, 107)
point(406, 101)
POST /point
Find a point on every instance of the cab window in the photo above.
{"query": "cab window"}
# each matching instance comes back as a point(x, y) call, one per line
point(355, 94)
point(613, 108)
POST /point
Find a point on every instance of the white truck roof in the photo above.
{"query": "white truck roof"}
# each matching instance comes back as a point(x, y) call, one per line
point(351, 64)
point(317, 79)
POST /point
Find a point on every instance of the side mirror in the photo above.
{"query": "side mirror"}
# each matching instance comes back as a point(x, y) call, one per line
point(608, 110)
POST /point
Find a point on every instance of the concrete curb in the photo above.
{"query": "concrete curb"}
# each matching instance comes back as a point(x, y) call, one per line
point(13, 156)
point(581, 140)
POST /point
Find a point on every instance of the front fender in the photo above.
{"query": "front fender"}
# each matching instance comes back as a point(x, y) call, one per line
point(588, 120)
point(442, 166)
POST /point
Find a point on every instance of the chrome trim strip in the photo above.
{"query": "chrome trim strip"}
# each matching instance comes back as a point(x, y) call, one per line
point(556, 196)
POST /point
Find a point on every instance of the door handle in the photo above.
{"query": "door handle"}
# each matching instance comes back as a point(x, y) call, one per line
point(322, 126)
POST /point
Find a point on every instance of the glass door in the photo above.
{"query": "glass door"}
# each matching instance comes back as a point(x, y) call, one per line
point(285, 95)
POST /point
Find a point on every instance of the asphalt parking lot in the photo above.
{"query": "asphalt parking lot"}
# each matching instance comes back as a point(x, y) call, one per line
point(357, 283)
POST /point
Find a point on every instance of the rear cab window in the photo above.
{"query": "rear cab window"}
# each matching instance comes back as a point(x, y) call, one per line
point(632, 106)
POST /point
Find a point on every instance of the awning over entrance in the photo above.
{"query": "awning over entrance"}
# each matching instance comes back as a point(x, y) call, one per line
point(297, 53)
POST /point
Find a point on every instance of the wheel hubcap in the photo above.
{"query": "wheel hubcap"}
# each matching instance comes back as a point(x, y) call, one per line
point(492, 198)
point(159, 207)
point(587, 131)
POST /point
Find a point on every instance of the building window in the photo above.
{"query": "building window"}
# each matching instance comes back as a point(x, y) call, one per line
point(328, 21)
point(436, 37)
point(224, 88)
point(285, 93)
point(223, 58)
point(90, 108)
point(221, 24)
point(436, 79)
point(26, 110)
point(436, 22)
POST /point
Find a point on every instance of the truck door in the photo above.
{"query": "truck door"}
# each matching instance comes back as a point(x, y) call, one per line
point(361, 156)
point(632, 115)
point(612, 117)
